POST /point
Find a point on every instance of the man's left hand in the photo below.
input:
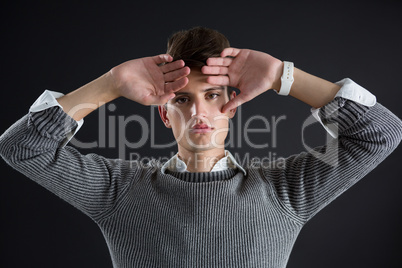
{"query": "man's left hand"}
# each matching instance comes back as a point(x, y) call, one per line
point(250, 71)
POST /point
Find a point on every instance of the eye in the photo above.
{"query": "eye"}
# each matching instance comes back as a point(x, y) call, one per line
point(213, 96)
point(181, 100)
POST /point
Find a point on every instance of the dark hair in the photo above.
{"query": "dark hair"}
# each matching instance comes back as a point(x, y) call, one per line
point(196, 45)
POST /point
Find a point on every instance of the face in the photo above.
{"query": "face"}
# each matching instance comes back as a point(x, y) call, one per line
point(195, 114)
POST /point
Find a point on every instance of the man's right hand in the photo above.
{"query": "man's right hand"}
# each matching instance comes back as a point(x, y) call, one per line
point(150, 80)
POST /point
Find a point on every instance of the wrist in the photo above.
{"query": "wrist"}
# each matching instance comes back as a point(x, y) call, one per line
point(287, 78)
point(110, 89)
point(276, 85)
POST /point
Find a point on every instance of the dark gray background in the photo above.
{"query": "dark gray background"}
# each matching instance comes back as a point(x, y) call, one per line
point(61, 46)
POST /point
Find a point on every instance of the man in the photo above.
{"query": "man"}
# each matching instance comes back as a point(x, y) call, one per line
point(201, 208)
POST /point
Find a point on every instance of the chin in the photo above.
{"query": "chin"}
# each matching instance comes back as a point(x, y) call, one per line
point(199, 142)
point(201, 147)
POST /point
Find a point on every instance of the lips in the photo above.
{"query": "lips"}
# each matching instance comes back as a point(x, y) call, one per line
point(201, 128)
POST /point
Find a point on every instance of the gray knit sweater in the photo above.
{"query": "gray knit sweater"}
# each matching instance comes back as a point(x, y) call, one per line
point(222, 219)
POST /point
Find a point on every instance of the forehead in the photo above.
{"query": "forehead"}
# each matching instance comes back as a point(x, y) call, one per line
point(198, 83)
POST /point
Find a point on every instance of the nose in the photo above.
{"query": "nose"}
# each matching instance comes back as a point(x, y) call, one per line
point(199, 109)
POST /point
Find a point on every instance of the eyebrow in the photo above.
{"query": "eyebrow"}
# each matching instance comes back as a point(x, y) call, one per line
point(205, 90)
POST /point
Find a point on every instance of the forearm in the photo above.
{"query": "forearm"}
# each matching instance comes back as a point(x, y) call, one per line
point(79, 103)
point(312, 90)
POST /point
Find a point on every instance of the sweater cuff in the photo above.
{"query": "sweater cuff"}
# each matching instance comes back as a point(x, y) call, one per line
point(54, 123)
point(340, 114)
point(349, 104)
point(48, 100)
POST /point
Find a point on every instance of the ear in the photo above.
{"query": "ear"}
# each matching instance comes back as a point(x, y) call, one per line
point(163, 114)
point(232, 112)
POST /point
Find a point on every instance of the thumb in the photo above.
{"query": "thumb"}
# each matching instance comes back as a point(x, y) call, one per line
point(162, 58)
point(233, 103)
point(165, 98)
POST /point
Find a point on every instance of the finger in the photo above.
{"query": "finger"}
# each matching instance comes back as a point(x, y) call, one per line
point(176, 85)
point(219, 61)
point(176, 74)
point(230, 51)
point(221, 80)
point(162, 58)
point(233, 103)
point(172, 66)
point(214, 70)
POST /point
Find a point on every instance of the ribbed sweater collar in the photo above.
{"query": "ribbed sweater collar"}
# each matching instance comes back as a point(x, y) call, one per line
point(204, 176)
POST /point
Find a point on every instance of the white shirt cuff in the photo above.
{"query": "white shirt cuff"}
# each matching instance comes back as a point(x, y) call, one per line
point(351, 91)
point(47, 100)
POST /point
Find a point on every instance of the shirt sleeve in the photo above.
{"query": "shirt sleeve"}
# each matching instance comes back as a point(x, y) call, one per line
point(366, 133)
point(47, 100)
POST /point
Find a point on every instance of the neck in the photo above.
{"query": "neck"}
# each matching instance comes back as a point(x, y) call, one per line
point(201, 161)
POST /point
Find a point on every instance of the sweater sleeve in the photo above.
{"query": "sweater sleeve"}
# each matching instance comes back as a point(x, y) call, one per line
point(307, 182)
point(34, 146)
